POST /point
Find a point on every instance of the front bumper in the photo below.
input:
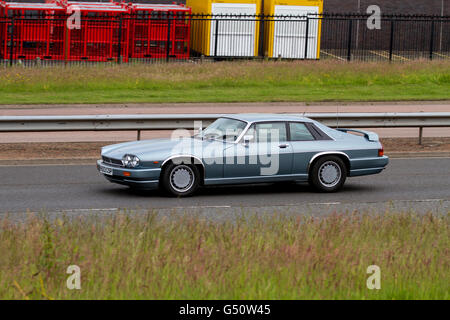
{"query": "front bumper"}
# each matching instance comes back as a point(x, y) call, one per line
point(137, 178)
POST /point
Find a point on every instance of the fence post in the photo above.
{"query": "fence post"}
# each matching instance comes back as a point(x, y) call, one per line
point(261, 35)
point(169, 27)
point(119, 47)
point(306, 37)
point(391, 43)
point(349, 47)
point(262, 54)
point(216, 40)
point(66, 42)
point(11, 39)
point(432, 40)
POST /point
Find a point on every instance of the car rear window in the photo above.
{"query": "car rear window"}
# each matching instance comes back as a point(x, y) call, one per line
point(299, 132)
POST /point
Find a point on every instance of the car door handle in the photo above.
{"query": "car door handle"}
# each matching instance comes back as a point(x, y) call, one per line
point(283, 146)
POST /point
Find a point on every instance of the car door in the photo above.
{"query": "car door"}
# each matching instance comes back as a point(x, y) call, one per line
point(304, 143)
point(268, 154)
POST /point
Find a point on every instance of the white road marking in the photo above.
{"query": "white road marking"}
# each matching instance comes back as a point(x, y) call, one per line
point(50, 164)
point(325, 203)
point(419, 158)
point(199, 207)
point(73, 210)
point(426, 200)
point(88, 210)
point(229, 207)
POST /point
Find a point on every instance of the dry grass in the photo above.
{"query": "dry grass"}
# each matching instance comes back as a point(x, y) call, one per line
point(227, 82)
point(128, 256)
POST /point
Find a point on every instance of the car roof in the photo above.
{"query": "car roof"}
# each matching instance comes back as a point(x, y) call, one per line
point(259, 117)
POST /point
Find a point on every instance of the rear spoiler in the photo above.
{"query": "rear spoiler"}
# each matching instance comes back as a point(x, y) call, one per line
point(371, 136)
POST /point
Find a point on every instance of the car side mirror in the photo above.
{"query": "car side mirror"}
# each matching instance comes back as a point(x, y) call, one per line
point(248, 139)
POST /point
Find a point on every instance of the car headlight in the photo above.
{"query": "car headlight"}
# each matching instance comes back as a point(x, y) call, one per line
point(130, 161)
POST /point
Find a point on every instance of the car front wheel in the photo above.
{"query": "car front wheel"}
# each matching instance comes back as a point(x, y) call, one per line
point(180, 180)
point(328, 174)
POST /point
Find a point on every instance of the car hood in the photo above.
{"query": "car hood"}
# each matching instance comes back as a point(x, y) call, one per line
point(158, 149)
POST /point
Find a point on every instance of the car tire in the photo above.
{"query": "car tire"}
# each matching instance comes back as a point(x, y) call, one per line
point(180, 180)
point(328, 174)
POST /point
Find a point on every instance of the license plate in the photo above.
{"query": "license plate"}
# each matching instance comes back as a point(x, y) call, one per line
point(107, 171)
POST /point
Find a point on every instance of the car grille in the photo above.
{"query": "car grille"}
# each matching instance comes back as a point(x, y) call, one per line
point(112, 161)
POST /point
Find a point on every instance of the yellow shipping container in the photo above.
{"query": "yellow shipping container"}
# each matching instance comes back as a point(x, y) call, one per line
point(234, 38)
point(286, 39)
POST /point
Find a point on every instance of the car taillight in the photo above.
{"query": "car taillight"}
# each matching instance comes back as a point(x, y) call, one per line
point(381, 152)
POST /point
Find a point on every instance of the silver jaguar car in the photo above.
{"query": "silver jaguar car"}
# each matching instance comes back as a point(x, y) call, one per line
point(246, 149)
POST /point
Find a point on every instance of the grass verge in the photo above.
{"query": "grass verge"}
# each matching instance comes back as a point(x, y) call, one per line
point(311, 81)
point(126, 256)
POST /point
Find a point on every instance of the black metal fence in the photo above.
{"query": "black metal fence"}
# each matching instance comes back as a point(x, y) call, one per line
point(43, 40)
point(399, 38)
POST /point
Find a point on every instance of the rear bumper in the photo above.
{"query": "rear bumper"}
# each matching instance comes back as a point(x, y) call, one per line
point(138, 178)
point(367, 166)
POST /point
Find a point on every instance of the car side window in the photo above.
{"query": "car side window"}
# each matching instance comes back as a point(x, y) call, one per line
point(270, 132)
point(299, 132)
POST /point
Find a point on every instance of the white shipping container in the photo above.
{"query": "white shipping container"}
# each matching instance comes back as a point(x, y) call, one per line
point(289, 37)
point(234, 38)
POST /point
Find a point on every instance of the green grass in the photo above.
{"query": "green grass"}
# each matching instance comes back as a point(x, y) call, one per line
point(128, 256)
point(227, 82)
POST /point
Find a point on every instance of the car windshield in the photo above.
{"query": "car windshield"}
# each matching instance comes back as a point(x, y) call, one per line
point(223, 129)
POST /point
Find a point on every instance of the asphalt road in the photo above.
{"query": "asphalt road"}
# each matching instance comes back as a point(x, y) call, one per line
point(420, 185)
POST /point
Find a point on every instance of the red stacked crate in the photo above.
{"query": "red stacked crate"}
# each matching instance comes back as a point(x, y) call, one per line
point(37, 31)
point(108, 31)
point(159, 31)
point(104, 31)
point(66, 3)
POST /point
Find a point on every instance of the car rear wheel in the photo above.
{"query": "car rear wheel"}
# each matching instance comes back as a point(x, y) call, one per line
point(180, 180)
point(328, 174)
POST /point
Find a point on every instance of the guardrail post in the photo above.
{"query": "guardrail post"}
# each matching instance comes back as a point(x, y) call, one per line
point(349, 45)
point(420, 135)
point(139, 135)
point(11, 39)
